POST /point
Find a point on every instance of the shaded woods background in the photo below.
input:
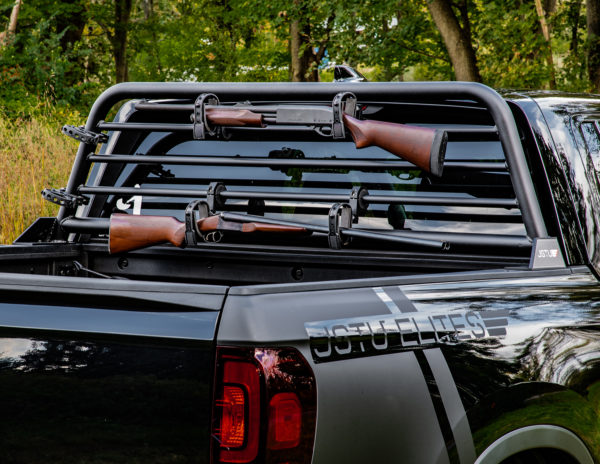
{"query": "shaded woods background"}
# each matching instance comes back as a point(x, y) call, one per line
point(68, 51)
point(57, 56)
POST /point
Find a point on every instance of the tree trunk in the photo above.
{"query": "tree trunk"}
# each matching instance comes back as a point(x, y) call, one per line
point(574, 16)
point(148, 7)
point(457, 40)
point(593, 45)
point(149, 15)
point(296, 70)
point(546, 33)
point(302, 55)
point(72, 22)
point(12, 24)
point(119, 39)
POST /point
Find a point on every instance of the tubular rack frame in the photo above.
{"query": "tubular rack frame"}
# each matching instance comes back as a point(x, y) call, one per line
point(469, 95)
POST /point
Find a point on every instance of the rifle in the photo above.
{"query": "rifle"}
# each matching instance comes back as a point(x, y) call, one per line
point(132, 232)
point(422, 146)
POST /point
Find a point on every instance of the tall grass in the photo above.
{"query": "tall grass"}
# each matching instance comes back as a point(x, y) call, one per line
point(33, 155)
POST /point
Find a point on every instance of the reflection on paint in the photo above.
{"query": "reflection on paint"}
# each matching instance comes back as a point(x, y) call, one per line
point(67, 400)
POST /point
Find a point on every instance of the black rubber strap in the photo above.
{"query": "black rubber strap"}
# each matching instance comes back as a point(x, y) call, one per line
point(340, 215)
point(194, 211)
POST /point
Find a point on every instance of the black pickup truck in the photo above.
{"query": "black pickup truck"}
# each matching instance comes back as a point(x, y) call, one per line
point(422, 317)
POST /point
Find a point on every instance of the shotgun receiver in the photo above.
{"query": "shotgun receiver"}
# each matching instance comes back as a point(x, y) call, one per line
point(132, 232)
point(422, 146)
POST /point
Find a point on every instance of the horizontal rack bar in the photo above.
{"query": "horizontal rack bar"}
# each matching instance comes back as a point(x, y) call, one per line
point(145, 126)
point(271, 109)
point(189, 106)
point(144, 191)
point(86, 225)
point(477, 191)
point(288, 163)
point(470, 130)
point(147, 106)
point(170, 127)
point(443, 201)
point(174, 127)
point(101, 225)
point(317, 197)
point(509, 218)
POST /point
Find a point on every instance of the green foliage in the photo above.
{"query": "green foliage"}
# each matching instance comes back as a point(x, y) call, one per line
point(36, 65)
point(393, 38)
point(205, 41)
point(504, 61)
point(568, 25)
point(63, 53)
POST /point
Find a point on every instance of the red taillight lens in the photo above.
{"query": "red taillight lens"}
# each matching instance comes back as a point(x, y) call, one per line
point(264, 408)
point(285, 421)
point(233, 412)
point(237, 410)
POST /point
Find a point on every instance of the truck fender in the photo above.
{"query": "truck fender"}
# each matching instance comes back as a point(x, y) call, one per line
point(535, 436)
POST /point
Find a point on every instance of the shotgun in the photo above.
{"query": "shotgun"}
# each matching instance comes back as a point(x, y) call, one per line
point(132, 232)
point(422, 146)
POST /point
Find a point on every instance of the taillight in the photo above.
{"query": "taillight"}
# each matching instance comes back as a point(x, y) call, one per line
point(233, 417)
point(264, 408)
point(285, 421)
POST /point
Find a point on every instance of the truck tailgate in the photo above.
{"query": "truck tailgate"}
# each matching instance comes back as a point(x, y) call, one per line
point(114, 369)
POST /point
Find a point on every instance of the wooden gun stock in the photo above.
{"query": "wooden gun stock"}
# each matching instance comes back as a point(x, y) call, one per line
point(131, 232)
point(422, 146)
point(234, 117)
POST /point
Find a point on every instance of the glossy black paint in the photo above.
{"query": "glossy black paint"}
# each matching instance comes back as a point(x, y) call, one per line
point(83, 398)
point(544, 371)
point(95, 370)
point(570, 175)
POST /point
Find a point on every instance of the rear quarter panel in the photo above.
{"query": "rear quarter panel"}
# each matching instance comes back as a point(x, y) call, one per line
point(437, 369)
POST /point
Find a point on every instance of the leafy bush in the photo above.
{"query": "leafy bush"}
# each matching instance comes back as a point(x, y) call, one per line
point(34, 68)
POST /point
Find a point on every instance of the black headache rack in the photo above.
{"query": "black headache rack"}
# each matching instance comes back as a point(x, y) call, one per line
point(162, 154)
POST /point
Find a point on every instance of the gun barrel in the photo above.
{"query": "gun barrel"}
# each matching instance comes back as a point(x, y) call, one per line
point(217, 222)
point(422, 146)
point(132, 232)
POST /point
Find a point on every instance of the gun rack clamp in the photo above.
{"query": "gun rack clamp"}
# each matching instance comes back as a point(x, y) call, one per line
point(198, 99)
point(340, 216)
point(202, 128)
point(343, 102)
point(195, 210)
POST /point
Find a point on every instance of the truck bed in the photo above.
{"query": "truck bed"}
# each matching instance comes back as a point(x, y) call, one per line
point(234, 265)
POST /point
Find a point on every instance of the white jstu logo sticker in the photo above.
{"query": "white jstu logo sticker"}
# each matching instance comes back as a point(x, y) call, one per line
point(137, 203)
